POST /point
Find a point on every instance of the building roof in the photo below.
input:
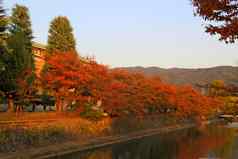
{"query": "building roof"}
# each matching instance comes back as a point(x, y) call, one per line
point(38, 45)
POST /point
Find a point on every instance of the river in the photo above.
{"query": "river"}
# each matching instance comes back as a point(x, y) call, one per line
point(211, 142)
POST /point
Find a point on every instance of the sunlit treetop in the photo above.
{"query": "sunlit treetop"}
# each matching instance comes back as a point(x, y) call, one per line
point(222, 17)
point(2, 19)
point(20, 19)
point(3, 26)
point(61, 37)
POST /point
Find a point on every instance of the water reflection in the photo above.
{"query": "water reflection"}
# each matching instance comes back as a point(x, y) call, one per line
point(211, 142)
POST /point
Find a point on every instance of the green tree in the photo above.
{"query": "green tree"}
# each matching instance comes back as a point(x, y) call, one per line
point(3, 20)
point(19, 56)
point(3, 45)
point(21, 32)
point(3, 27)
point(7, 82)
point(61, 36)
point(217, 88)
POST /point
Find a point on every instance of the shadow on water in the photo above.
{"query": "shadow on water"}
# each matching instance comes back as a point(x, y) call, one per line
point(213, 142)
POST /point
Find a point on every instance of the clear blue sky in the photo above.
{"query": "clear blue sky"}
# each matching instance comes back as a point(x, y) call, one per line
point(134, 32)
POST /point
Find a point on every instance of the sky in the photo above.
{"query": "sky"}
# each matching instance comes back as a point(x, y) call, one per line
point(134, 32)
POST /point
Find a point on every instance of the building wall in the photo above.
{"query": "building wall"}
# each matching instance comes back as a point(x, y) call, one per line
point(39, 52)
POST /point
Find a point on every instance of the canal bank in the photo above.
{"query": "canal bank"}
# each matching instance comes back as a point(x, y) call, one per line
point(55, 151)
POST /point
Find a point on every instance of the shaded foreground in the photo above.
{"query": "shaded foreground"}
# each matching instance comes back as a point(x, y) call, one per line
point(68, 148)
point(40, 134)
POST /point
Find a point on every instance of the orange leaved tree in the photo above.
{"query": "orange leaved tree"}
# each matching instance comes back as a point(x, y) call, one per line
point(222, 16)
point(67, 77)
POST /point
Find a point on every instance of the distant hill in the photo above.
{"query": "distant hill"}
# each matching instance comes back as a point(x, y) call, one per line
point(190, 76)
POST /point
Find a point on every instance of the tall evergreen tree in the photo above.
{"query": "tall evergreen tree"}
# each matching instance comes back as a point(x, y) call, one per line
point(18, 58)
point(3, 27)
point(3, 46)
point(21, 32)
point(7, 75)
point(60, 37)
point(3, 20)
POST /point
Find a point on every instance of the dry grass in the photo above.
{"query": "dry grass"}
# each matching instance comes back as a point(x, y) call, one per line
point(71, 122)
point(28, 116)
point(38, 129)
point(85, 127)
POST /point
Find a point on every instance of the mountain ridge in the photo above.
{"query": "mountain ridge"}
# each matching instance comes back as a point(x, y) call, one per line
point(193, 76)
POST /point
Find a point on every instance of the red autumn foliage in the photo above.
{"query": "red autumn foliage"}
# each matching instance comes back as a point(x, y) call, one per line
point(131, 92)
point(192, 103)
point(71, 78)
point(67, 76)
point(222, 15)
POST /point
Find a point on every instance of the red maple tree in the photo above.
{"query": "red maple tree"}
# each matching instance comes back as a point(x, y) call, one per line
point(222, 16)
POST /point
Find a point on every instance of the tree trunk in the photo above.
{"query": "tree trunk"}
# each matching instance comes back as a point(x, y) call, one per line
point(33, 108)
point(61, 106)
point(58, 105)
point(44, 108)
point(10, 104)
point(65, 105)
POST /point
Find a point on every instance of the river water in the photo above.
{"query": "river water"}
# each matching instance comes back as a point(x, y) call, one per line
point(211, 142)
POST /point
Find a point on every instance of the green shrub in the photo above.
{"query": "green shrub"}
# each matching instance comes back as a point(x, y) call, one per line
point(91, 113)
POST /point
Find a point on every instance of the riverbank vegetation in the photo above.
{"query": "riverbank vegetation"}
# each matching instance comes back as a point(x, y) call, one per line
point(94, 93)
point(226, 93)
point(77, 82)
